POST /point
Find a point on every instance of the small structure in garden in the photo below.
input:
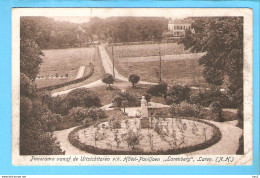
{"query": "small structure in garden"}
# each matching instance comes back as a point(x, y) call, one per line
point(144, 113)
point(144, 109)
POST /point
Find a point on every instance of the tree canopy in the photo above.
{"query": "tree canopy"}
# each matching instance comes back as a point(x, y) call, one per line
point(222, 40)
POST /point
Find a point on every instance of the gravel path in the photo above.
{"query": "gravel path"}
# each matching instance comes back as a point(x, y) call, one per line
point(80, 72)
point(228, 144)
point(108, 66)
point(62, 137)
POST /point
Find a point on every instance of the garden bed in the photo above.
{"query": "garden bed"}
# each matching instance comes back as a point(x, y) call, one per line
point(102, 139)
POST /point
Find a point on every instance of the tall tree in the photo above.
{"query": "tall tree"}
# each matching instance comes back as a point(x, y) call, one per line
point(222, 40)
point(36, 121)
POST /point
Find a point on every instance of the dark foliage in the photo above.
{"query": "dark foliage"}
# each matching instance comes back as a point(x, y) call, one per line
point(158, 90)
point(177, 94)
point(83, 97)
point(131, 99)
point(134, 79)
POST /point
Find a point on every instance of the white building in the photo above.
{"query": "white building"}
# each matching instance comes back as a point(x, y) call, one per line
point(178, 27)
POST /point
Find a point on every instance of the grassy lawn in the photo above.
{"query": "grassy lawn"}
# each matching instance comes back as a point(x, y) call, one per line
point(98, 74)
point(185, 71)
point(66, 61)
point(144, 50)
point(105, 95)
point(141, 90)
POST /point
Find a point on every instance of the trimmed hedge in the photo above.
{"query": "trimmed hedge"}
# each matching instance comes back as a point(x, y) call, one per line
point(94, 150)
point(69, 82)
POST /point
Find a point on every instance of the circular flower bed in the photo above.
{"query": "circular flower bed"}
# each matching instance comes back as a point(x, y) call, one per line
point(160, 137)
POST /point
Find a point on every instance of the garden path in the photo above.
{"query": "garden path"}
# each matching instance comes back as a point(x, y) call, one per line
point(228, 143)
point(80, 72)
point(108, 66)
point(65, 145)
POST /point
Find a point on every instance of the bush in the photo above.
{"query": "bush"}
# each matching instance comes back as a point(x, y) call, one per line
point(134, 79)
point(177, 94)
point(148, 97)
point(205, 98)
point(115, 123)
point(158, 90)
point(194, 99)
point(78, 114)
point(133, 138)
point(50, 120)
point(108, 79)
point(215, 109)
point(27, 88)
point(131, 99)
point(26, 107)
point(58, 105)
point(185, 110)
point(95, 113)
point(82, 97)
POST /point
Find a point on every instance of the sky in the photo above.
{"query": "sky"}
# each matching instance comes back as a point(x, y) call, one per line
point(73, 19)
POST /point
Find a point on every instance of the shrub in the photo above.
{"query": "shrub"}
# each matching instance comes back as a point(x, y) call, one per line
point(132, 99)
point(133, 138)
point(158, 90)
point(82, 97)
point(58, 105)
point(25, 107)
point(177, 94)
point(205, 98)
point(27, 88)
point(148, 97)
point(194, 99)
point(115, 123)
point(108, 79)
point(134, 79)
point(50, 120)
point(78, 114)
point(215, 109)
point(95, 113)
point(185, 110)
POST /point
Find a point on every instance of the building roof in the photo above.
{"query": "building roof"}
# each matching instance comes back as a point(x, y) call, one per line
point(80, 30)
point(180, 21)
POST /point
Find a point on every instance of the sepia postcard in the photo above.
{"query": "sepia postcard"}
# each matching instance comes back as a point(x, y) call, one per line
point(132, 86)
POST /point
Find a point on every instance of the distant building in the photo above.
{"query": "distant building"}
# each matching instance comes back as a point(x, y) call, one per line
point(81, 36)
point(178, 27)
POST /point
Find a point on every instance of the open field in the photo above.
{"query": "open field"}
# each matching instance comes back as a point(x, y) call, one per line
point(144, 50)
point(182, 69)
point(64, 62)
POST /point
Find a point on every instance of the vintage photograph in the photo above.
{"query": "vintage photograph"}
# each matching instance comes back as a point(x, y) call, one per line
point(132, 84)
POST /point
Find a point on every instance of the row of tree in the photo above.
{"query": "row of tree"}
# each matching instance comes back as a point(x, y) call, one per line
point(128, 29)
point(53, 34)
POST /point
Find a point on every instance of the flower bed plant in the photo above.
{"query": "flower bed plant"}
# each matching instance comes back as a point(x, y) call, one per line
point(175, 135)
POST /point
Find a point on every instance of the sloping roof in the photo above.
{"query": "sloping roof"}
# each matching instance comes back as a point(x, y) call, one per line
point(80, 30)
point(180, 21)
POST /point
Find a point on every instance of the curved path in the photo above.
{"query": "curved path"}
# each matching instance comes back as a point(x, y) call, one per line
point(62, 137)
point(108, 66)
point(227, 145)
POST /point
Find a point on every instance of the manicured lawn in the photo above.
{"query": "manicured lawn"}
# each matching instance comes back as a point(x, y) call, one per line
point(143, 50)
point(184, 71)
point(105, 95)
point(61, 62)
